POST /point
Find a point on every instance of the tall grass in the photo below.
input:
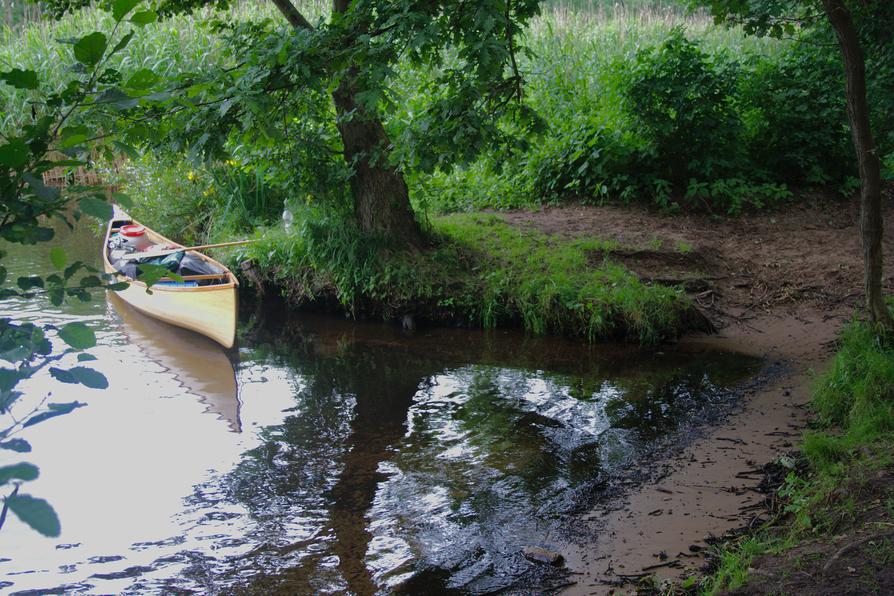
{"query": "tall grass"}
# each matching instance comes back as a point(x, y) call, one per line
point(574, 42)
point(185, 43)
point(197, 203)
point(483, 273)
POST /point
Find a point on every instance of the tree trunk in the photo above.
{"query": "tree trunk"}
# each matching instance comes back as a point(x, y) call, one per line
point(381, 199)
point(871, 224)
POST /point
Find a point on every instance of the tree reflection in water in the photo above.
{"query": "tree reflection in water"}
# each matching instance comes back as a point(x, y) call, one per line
point(436, 459)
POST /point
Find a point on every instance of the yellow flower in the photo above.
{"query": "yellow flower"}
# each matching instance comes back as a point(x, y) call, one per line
point(232, 163)
point(190, 175)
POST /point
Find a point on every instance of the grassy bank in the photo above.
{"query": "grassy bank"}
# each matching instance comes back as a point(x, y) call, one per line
point(482, 272)
point(835, 514)
point(479, 272)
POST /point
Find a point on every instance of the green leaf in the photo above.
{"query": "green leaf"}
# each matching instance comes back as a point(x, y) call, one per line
point(142, 79)
point(121, 8)
point(85, 357)
point(17, 445)
point(54, 409)
point(90, 281)
point(89, 49)
point(131, 152)
point(14, 154)
point(150, 274)
point(124, 199)
point(78, 335)
point(122, 43)
point(26, 283)
point(23, 471)
point(73, 135)
point(10, 377)
point(118, 286)
point(56, 296)
point(37, 513)
point(20, 79)
point(72, 269)
point(35, 183)
point(57, 257)
point(117, 99)
point(97, 208)
point(7, 398)
point(144, 17)
point(90, 378)
point(81, 375)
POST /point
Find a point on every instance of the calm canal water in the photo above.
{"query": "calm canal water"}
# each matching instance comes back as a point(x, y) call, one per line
point(324, 456)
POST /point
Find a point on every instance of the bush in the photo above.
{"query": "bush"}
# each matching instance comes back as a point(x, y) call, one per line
point(683, 143)
point(589, 162)
point(682, 101)
point(798, 133)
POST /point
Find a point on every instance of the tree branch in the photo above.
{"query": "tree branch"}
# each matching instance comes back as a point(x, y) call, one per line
point(295, 18)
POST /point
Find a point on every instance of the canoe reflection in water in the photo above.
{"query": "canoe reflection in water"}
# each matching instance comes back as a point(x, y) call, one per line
point(201, 366)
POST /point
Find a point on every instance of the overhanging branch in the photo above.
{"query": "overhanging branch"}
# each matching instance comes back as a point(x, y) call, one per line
point(295, 18)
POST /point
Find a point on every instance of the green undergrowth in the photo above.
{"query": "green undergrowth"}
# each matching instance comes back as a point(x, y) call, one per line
point(852, 439)
point(480, 272)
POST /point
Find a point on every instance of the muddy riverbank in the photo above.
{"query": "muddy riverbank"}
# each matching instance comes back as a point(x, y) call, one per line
point(709, 488)
point(778, 287)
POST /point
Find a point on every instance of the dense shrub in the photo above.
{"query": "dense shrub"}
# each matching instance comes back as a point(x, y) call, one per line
point(682, 100)
point(681, 121)
point(589, 161)
point(796, 116)
point(683, 147)
point(641, 103)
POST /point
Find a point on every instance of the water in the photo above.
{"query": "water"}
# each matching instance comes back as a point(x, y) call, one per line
point(328, 457)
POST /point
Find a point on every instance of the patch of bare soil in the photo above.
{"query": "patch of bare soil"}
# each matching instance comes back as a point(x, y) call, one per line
point(737, 269)
point(777, 286)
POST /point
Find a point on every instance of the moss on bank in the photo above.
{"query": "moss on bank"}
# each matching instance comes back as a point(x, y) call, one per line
point(836, 518)
point(480, 272)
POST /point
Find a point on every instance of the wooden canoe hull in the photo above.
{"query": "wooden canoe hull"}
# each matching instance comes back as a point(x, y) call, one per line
point(211, 310)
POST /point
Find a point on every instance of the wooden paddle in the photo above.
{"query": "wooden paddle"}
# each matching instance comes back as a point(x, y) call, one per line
point(169, 251)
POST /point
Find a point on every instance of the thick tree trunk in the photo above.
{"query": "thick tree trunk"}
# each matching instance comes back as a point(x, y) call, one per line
point(381, 199)
point(871, 224)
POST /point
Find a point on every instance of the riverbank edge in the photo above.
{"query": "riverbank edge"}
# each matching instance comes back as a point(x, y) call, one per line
point(479, 272)
point(829, 504)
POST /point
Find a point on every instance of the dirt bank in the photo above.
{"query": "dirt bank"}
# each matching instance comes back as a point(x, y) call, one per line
point(777, 286)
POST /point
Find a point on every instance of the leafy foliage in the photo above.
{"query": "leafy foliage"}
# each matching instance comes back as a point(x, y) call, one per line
point(682, 100)
point(799, 132)
point(62, 121)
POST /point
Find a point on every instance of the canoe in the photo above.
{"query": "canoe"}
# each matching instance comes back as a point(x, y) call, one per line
point(209, 308)
point(198, 364)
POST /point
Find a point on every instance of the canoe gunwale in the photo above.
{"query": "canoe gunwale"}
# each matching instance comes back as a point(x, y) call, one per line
point(232, 282)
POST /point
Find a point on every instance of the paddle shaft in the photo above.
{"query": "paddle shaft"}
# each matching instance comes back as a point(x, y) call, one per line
point(170, 251)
